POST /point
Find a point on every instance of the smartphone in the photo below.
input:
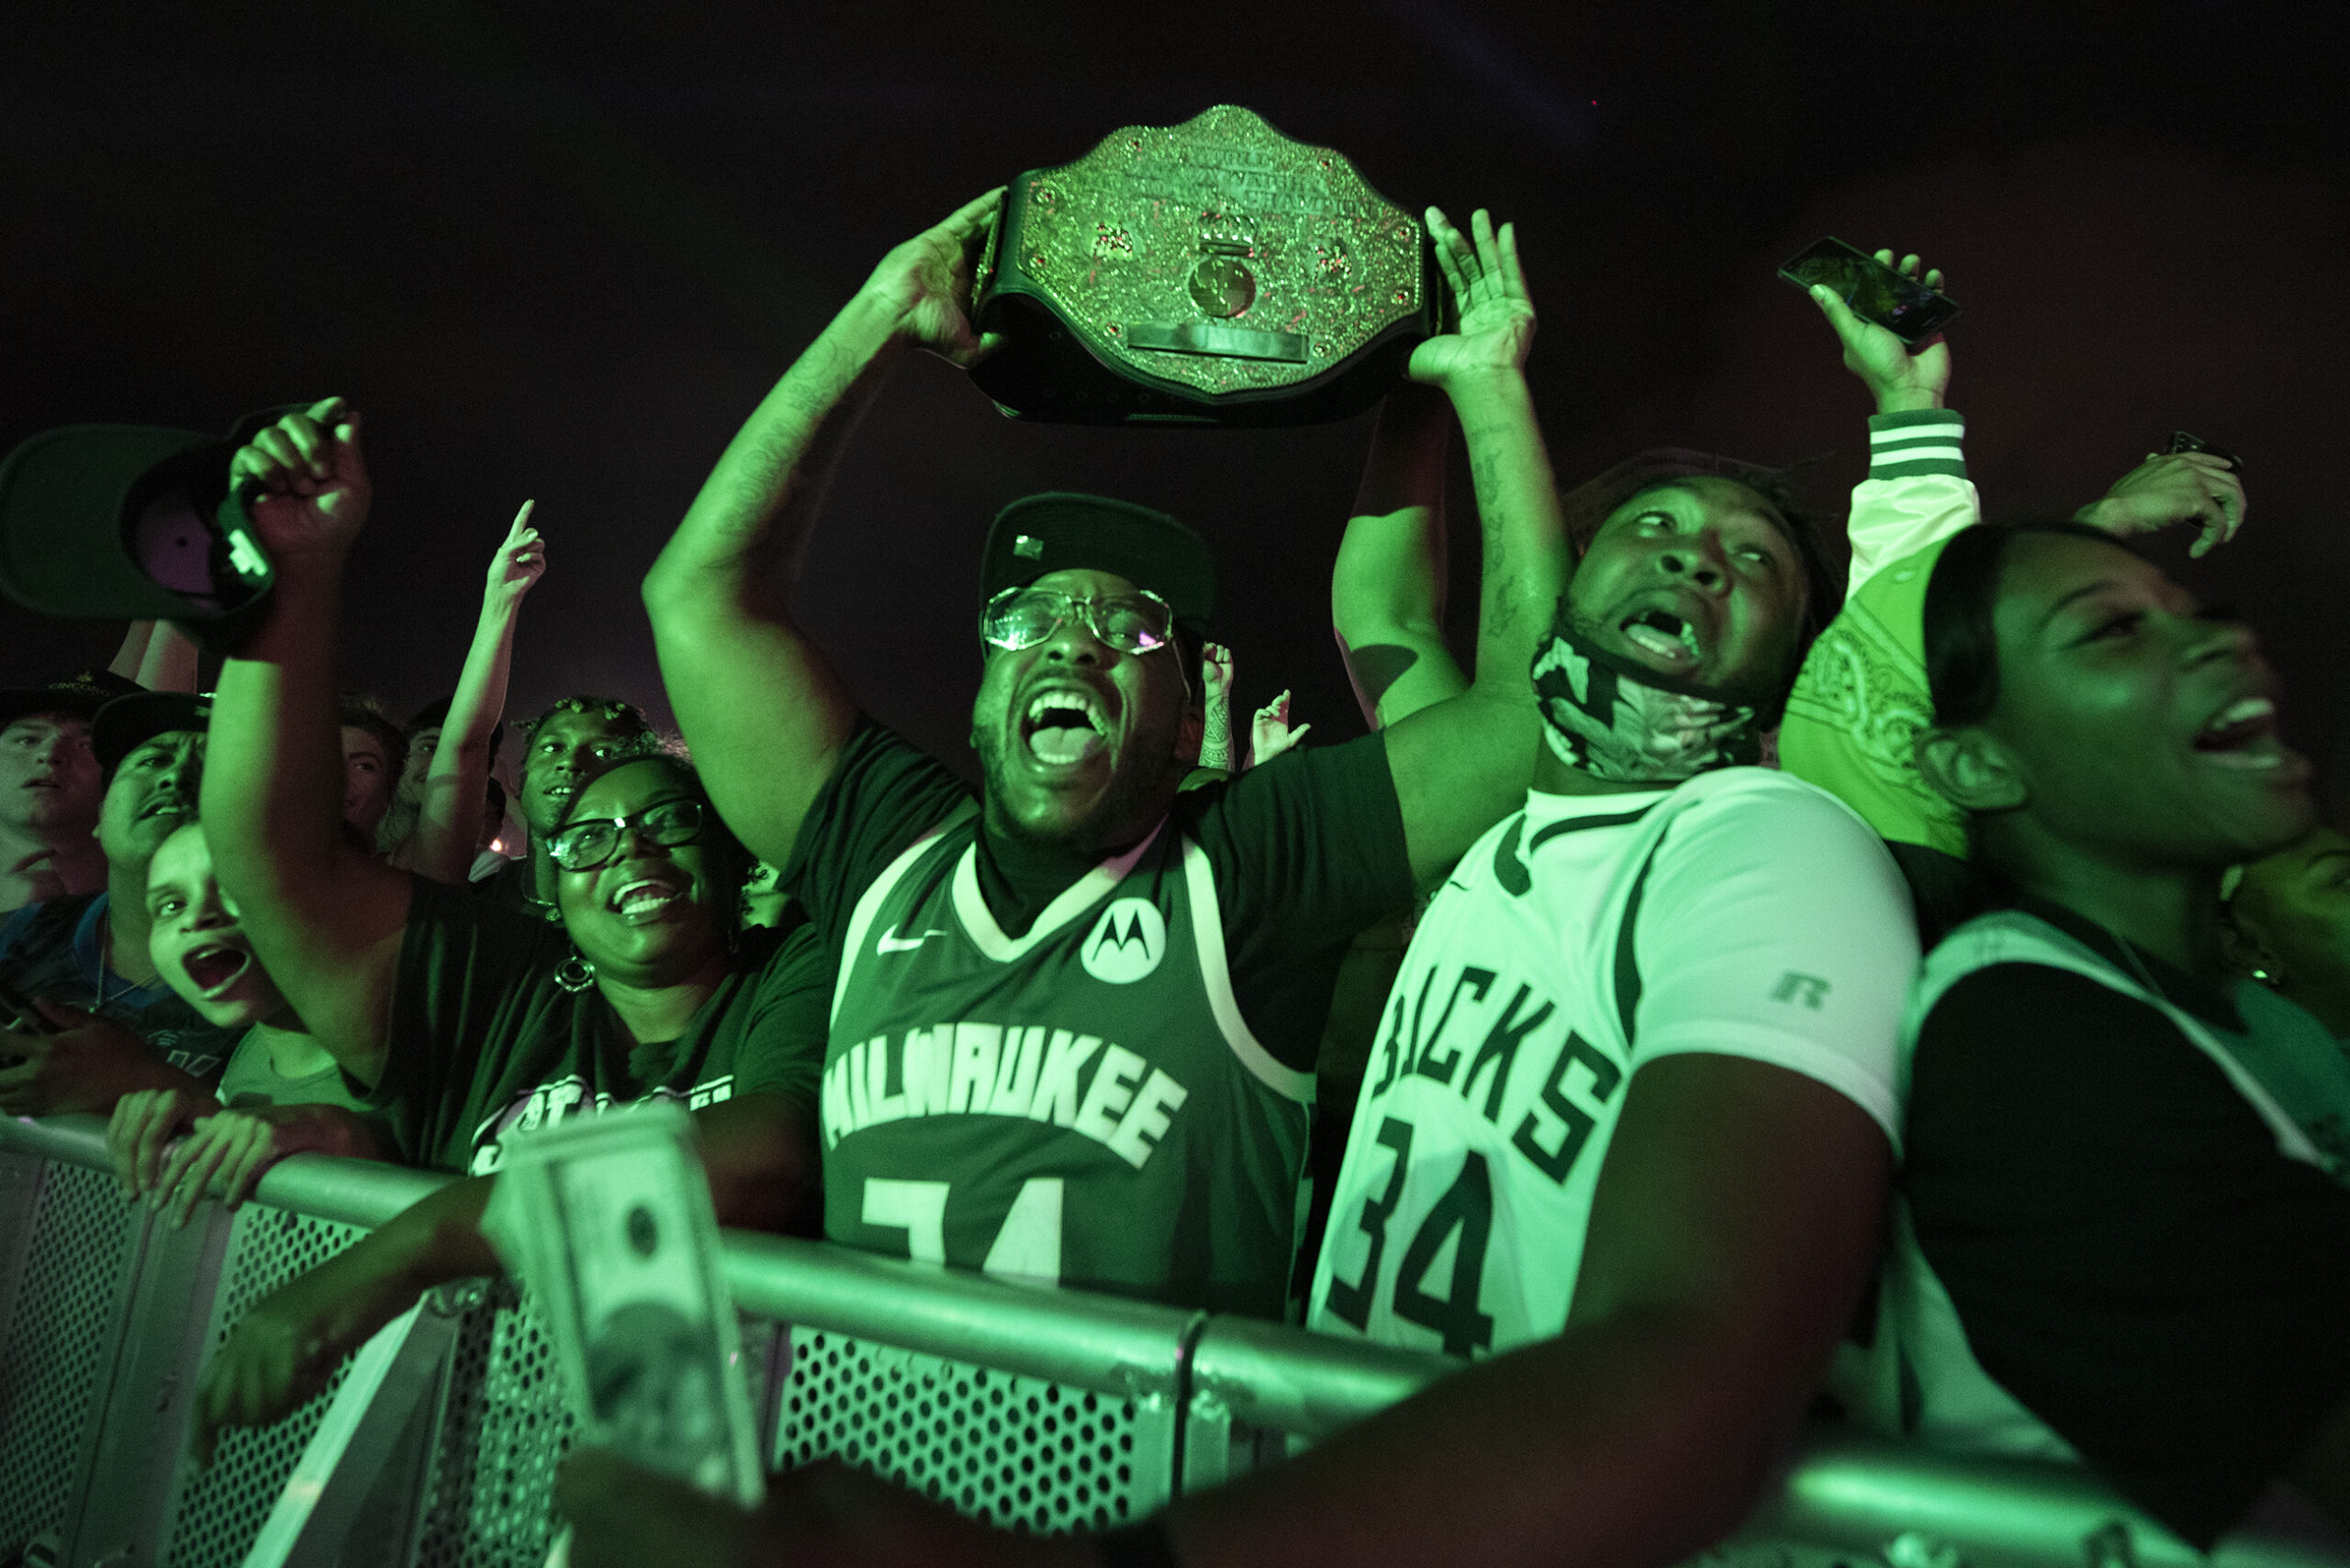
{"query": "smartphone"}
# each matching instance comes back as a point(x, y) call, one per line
point(2182, 441)
point(1902, 306)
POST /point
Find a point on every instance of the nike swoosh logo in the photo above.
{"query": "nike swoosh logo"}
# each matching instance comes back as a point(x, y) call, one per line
point(890, 944)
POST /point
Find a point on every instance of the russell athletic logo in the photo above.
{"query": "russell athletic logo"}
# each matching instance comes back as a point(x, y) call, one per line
point(1126, 943)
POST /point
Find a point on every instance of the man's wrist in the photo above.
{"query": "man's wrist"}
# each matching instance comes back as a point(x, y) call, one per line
point(1906, 399)
point(873, 321)
point(1489, 397)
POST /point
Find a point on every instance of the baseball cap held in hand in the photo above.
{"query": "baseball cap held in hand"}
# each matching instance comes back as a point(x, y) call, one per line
point(133, 523)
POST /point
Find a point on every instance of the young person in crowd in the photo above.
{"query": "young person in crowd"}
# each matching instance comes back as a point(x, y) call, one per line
point(2126, 1234)
point(50, 788)
point(573, 738)
point(375, 753)
point(280, 1093)
point(444, 835)
point(108, 1023)
point(1102, 997)
point(461, 1019)
point(395, 839)
point(2287, 925)
point(1635, 1083)
point(48, 776)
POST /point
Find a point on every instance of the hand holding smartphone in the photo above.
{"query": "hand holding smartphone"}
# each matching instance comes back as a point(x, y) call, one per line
point(2180, 441)
point(1902, 306)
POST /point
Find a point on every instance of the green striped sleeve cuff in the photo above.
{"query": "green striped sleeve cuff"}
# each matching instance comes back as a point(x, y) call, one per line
point(1925, 440)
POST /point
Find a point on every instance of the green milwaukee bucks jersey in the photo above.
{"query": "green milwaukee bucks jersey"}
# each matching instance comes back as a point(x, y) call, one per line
point(1082, 1103)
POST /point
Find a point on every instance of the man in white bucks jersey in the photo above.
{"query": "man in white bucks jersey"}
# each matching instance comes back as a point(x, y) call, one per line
point(1071, 1008)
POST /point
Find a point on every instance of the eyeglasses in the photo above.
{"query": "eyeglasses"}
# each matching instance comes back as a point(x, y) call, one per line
point(584, 845)
point(1023, 617)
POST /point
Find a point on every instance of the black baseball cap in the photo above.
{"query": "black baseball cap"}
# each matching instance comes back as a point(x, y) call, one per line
point(78, 696)
point(126, 723)
point(133, 523)
point(1060, 530)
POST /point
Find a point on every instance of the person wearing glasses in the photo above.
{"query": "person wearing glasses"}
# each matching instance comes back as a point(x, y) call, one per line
point(462, 1020)
point(1079, 1009)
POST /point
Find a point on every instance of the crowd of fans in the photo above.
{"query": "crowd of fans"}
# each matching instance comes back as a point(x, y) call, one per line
point(1748, 989)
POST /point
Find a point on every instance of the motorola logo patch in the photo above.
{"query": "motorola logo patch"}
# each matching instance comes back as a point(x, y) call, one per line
point(1126, 943)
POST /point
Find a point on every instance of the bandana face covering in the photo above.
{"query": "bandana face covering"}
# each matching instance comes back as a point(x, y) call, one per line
point(1618, 720)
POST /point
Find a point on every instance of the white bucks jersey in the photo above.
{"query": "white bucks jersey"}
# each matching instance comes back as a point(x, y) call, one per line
point(1742, 913)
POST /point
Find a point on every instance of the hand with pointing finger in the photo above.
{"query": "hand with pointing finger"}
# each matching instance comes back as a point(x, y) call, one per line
point(521, 562)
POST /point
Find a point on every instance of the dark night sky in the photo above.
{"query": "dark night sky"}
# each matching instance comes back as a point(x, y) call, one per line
point(559, 251)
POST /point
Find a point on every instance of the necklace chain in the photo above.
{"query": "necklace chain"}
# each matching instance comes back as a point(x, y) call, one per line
point(105, 969)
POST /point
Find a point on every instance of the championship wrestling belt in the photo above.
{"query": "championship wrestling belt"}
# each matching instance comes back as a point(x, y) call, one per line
point(1210, 272)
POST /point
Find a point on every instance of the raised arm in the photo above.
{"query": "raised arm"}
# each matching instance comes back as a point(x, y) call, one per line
point(156, 655)
point(1917, 493)
point(762, 709)
point(1387, 590)
point(325, 916)
point(448, 825)
point(133, 652)
point(1463, 764)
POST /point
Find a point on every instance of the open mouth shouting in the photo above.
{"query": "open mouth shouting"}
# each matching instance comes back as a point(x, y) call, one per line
point(1065, 724)
point(1670, 634)
point(2243, 736)
point(216, 967)
point(642, 897)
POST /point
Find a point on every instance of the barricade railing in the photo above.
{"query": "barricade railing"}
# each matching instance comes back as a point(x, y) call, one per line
point(1041, 1408)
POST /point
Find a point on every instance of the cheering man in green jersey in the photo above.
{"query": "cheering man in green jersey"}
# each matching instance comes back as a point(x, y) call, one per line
point(1074, 1008)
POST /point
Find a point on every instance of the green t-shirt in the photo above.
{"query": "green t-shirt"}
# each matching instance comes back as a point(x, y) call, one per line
point(484, 1040)
point(252, 1079)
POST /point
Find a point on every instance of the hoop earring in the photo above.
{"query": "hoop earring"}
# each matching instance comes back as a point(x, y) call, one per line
point(575, 974)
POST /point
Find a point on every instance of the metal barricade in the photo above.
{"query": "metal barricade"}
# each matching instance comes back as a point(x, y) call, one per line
point(1036, 1409)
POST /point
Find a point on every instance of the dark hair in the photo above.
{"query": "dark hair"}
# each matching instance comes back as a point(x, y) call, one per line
point(1961, 636)
point(612, 709)
point(716, 834)
point(355, 711)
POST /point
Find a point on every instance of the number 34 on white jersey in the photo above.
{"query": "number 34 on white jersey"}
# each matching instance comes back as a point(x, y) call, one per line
point(1743, 912)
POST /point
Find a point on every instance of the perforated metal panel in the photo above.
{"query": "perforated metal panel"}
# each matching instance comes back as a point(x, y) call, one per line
point(1016, 1450)
point(53, 1360)
point(221, 1509)
point(503, 1431)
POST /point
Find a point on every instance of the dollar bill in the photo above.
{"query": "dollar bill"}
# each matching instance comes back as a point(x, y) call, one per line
point(607, 1220)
